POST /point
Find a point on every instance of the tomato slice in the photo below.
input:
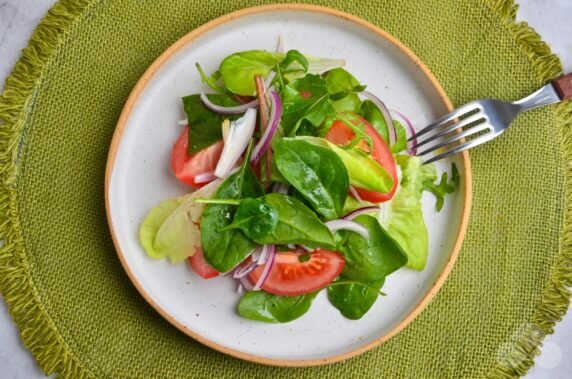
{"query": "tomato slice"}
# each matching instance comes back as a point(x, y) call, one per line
point(289, 276)
point(200, 265)
point(341, 134)
point(187, 167)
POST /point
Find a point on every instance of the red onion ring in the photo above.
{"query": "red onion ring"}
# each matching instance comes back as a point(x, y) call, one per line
point(265, 250)
point(245, 283)
point(280, 188)
point(239, 135)
point(357, 212)
point(352, 226)
point(244, 270)
point(205, 177)
point(385, 113)
point(227, 110)
point(267, 267)
point(409, 125)
point(269, 79)
point(275, 115)
point(355, 194)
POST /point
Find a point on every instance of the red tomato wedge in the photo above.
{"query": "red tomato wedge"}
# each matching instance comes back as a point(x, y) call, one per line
point(200, 265)
point(340, 134)
point(289, 276)
point(187, 167)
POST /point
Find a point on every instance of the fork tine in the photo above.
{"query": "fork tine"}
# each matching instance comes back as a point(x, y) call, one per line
point(477, 116)
point(465, 146)
point(446, 118)
point(456, 137)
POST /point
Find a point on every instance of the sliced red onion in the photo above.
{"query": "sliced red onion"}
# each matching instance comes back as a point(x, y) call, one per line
point(267, 267)
point(245, 283)
point(385, 113)
point(280, 188)
point(275, 115)
point(244, 270)
point(239, 136)
point(269, 79)
point(404, 120)
point(352, 226)
point(355, 194)
point(228, 110)
point(256, 253)
point(264, 255)
point(205, 177)
point(263, 103)
point(225, 130)
point(357, 212)
point(280, 46)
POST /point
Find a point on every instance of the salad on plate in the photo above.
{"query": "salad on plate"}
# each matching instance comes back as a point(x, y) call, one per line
point(300, 180)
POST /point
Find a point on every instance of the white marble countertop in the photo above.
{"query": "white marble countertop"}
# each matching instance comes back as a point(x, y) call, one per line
point(18, 19)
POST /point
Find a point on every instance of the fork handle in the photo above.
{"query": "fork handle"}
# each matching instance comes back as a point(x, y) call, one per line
point(563, 86)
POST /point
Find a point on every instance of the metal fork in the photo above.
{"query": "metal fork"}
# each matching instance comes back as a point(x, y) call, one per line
point(482, 120)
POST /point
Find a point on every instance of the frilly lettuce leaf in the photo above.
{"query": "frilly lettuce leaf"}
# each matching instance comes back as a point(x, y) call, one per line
point(403, 217)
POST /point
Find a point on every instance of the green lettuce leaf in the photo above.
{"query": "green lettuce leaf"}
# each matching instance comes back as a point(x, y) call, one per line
point(171, 228)
point(238, 70)
point(443, 188)
point(403, 217)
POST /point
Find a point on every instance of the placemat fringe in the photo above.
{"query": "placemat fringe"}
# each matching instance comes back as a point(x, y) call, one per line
point(38, 332)
point(556, 298)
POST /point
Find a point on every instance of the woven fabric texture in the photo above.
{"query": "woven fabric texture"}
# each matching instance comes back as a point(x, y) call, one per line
point(80, 315)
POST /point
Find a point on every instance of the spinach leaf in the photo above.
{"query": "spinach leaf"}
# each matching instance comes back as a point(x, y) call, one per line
point(400, 138)
point(443, 188)
point(340, 83)
point(364, 172)
point(263, 306)
point(297, 224)
point(354, 300)
point(225, 249)
point(349, 103)
point(373, 258)
point(238, 70)
point(211, 81)
point(255, 218)
point(291, 57)
point(205, 126)
point(373, 115)
point(307, 99)
point(316, 172)
point(275, 175)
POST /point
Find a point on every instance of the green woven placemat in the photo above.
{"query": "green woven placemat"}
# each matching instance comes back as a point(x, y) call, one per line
point(75, 307)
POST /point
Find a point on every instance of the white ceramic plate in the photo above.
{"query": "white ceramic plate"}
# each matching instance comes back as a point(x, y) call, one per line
point(139, 177)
